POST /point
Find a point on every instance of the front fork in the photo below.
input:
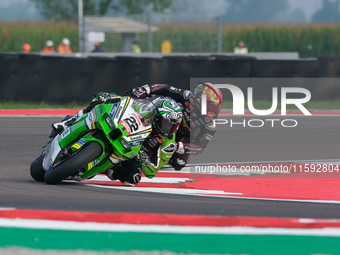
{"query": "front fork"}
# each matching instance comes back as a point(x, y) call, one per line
point(95, 166)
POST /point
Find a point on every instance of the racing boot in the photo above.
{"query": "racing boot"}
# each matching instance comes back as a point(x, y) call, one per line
point(66, 122)
point(133, 179)
point(129, 173)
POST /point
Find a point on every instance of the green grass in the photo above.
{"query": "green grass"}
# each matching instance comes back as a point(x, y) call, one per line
point(316, 105)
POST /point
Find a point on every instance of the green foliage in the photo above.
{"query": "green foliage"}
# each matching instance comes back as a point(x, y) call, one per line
point(14, 34)
point(310, 40)
point(68, 9)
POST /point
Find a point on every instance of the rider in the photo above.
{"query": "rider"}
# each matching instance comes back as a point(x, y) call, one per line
point(165, 124)
point(196, 130)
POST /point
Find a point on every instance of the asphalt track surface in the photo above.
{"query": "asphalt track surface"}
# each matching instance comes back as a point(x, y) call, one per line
point(22, 139)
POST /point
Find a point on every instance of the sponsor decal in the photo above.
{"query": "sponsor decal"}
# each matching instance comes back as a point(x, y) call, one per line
point(113, 110)
point(66, 133)
point(118, 112)
point(210, 115)
point(79, 144)
point(156, 100)
point(152, 142)
point(90, 116)
point(186, 94)
point(135, 144)
point(92, 164)
point(137, 137)
point(89, 120)
point(208, 137)
point(187, 104)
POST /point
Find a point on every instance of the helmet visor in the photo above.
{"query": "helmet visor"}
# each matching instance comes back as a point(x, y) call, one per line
point(167, 128)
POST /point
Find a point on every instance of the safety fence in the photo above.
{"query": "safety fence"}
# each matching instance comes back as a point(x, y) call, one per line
point(61, 79)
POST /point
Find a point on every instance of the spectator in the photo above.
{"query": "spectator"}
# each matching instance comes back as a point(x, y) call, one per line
point(26, 48)
point(97, 47)
point(64, 47)
point(166, 46)
point(135, 47)
point(241, 49)
point(48, 48)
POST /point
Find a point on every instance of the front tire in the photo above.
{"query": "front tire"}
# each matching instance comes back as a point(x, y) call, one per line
point(73, 164)
point(37, 171)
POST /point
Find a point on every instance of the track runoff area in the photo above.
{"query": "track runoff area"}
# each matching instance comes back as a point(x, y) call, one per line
point(116, 232)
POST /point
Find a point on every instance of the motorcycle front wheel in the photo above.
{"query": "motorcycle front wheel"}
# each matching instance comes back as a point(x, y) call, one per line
point(73, 164)
point(36, 170)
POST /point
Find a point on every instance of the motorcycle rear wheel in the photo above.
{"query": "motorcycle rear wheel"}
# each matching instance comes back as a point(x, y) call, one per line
point(36, 170)
point(73, 164)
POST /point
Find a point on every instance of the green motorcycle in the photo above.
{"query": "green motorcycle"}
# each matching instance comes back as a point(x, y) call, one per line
point(100, 139)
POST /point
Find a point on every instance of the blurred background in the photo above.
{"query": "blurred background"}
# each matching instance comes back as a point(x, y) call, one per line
point(113, 45)
point(308, 27)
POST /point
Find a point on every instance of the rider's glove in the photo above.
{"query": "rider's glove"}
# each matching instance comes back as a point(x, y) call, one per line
point(181, 149)
point(141, 92)
point(143, 158)
point(102, 97)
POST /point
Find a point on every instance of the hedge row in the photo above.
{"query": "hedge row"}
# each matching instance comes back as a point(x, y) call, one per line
point(310, 40)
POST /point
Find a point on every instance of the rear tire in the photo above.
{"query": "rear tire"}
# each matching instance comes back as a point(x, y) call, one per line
point(73, 164)
point(37, 171)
